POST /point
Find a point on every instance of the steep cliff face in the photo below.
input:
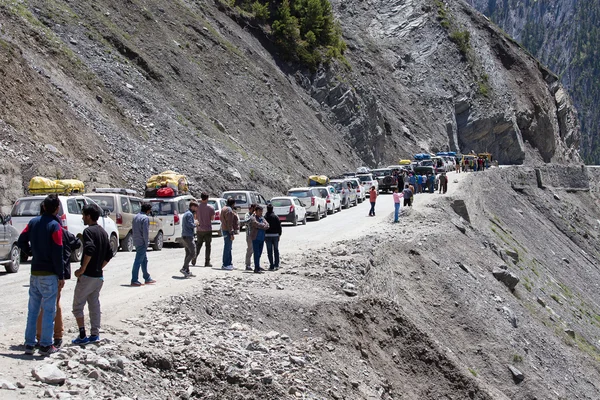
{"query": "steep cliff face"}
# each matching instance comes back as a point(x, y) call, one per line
point(563, 35)
point(111, 92)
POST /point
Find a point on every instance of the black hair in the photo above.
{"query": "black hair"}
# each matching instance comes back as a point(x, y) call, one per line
point(51, 203)
point(269, 207)
point(146, 207)
point(258, 208)
point(92, 210)
point(204, 196)
point(231, 202)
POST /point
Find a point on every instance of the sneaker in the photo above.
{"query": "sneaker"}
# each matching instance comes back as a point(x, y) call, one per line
point(227, 267)
point(29, 350)
point(57, 343)
point(47, 350)
point(79, 340)
point(259, 271)
point(93, 338)
point(249, 268)
point(208, 265)
point(184, 272)
point(37, 345)
point(190, 275)
point(272, 269)
point(150, 282)
point(136, 284)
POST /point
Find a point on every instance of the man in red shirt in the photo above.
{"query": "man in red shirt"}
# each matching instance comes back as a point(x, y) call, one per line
point(372, 199)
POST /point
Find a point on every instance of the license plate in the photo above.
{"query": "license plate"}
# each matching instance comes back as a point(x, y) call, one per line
point(282, 218)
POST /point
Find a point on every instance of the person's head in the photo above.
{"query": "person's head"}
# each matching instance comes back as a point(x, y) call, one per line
point(406, 186)
point(51, 204)
point(193, 205)
point(372, 188)
point(204, 197)
point(230, 202)
point(146, 208)
point(395, 190)
point(269, 208)
point(91, 214)
point(252, 208)
point(258, 210)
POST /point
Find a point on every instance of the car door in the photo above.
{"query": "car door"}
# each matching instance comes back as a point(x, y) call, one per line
point(4, 240)
point(301, 211)
point(74, 215)
point(126, 214)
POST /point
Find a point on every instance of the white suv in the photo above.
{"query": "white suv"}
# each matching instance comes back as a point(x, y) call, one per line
point(332, 198)
point(70, 215)
point(367, 181)
point(311, 200)
point(168, 210)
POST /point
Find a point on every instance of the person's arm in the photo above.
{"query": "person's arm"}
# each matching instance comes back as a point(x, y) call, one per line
point(23, 241)
point(57, 253)
point(146, 230)
point(263, 225)
point(89, 247)
point(212, 214)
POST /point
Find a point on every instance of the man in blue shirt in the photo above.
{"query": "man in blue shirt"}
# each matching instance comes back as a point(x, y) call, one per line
point(141, 230)
point(188, 228)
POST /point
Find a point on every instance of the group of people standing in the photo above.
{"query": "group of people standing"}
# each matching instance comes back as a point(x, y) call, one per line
point(51, 246)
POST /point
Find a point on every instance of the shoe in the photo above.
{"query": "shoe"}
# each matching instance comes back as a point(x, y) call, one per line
point(184, 272)
point(37, 345)
point(249, 268)
point(150, 282)
point(29, 350)
point(47, 350)
point(79, 340)
point(136, 284)
point(272, 269)
point(190, 275)
point(259, 271)
point(57, 343)
point(208, 265)
point(227, 267)
point(93, 338)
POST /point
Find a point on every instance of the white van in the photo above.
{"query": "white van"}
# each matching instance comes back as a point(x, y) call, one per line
point(169, 210)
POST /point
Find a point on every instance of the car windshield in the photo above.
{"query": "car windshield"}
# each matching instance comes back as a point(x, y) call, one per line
point(27, 208)
point(365, 178)
point(106, 202)
point(281, 202)
point(163, 207)
point(240, 198)
point(301, 194)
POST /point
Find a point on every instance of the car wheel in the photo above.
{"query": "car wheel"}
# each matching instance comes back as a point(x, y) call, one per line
point(325, 212)
point(15, 260)
point(158, 243)
point(114, 244)
point(318, 215)
point(127, 243)
point(331, 211)
point(76, 255)
point(304, 220)
point(340, 207)
point(23, 256)
point(295, 220)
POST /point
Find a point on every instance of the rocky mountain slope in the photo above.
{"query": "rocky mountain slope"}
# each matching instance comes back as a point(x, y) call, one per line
point(563, 35)
point(111, 92)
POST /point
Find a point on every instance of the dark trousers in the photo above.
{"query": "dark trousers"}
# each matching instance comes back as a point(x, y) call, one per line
point(190, 251)
point(372, 211)
point(203, 238)
point(257, 247)
point(273, 251)
point(407, 202)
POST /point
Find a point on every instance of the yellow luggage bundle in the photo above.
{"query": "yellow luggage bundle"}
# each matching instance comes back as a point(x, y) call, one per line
point(318, 180)
point(405, 162)
point(170, 179)
point(41, 185)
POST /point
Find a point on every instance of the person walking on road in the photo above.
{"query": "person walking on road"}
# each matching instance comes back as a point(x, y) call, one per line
point(443, 183)
point(70, 243)
point(96, 254)
point(397, 197)
point(259, 227)
point(205, 214)
point(140, 228)
point(372, 199)
point(249, 246)
point(272, 236)
point(188, 226)
point(44, 233)
point(228, 227)
point(407, 194)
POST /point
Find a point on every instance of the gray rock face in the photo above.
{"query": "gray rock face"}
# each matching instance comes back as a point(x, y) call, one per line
point(506, 277)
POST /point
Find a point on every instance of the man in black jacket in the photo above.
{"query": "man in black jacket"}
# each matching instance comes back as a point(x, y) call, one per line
point(272, 236)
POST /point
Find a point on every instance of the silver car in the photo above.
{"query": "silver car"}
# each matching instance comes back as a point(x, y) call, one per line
point(9, 252)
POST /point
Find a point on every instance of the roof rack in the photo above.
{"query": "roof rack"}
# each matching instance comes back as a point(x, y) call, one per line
point(129, 192)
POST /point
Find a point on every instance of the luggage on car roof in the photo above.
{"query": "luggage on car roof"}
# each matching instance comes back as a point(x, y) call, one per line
point(318, 180)
point(41, 185)
point(167, 179)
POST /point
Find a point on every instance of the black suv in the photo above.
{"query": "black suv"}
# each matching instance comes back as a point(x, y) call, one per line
point(386, 179)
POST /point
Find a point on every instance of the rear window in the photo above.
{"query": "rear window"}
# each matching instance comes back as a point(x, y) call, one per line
point(384, 172)
point(281, 202)
point(338, 185)
point(163, 208)
point(106, 202)
point(354, 184)
point(302, 194)
point(239, 197)
point(27, 208)
point(365, 178)
point(323, 192)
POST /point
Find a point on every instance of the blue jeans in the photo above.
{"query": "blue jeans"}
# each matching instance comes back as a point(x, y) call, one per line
point(396, 211)
point(273, 249)
point(141, 260)
point(257, 246)
point(227, 257)
point(42, 294)
point(372, 211)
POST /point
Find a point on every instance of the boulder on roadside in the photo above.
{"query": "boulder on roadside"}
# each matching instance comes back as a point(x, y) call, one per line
point(508, 278)
point(49, 373)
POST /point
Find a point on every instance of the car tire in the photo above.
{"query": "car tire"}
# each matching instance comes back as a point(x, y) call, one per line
point(304, 220)
point(331, 211)
point(295, 220)
point(158, 242)
point(127, 243)
point(23, 256)
point(325, 212)
point(114, 244)
point(15, 260)
point(76, 255)
point(339, 209)
point(318, 215)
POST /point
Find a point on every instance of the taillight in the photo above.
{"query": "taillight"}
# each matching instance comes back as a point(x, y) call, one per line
point(312, 201)
point(218, 216)
point(291, 209)
point(63, 221)
point(358, 189)
point(328, 199)
point(119, 219)
point(176, 218)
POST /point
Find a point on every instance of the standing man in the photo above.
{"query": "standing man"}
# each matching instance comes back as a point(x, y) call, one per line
point(249, 246)
point(96, 254)
point(372, 199)
point(397, 197)
point(47, 274)
point(188, 226)
point(228, 227)
point(407, 193)
point(400, 179)
point(272, 236)
point(141, 232)
point(205, 214)
point(259, 226)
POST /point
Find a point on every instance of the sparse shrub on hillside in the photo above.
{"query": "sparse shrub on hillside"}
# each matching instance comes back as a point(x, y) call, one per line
point(462, 40)
point(261, 11)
